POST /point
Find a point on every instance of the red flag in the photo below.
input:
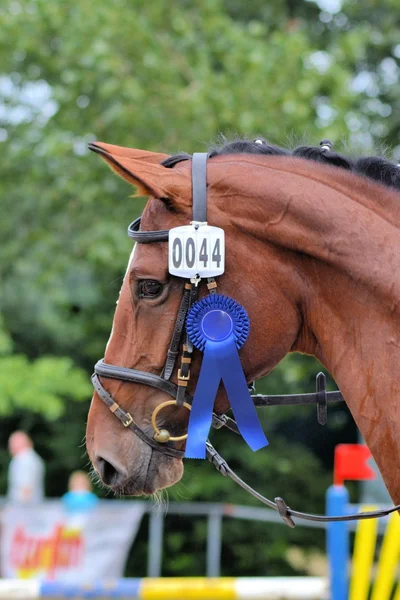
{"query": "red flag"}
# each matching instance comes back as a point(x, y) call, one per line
point(351, 463)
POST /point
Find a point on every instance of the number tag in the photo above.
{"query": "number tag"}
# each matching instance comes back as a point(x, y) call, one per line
point(198, 251)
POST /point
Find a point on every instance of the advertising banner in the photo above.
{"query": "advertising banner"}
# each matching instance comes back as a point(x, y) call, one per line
point(44, 541)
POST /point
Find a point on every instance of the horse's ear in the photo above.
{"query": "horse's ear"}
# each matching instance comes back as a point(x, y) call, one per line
point(141, 168)
point(129, 153)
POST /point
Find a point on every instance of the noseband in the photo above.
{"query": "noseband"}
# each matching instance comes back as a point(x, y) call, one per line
point(162, 441)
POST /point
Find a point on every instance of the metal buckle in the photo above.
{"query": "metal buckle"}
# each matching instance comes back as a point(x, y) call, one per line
point(218, 421)
point(129, 420)
point(183, 377)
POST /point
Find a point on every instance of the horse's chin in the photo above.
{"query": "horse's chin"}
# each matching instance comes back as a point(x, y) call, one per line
point(160, 472)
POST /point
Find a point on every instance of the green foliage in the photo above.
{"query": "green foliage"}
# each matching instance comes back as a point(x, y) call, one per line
point(163, 76)
point(41, 385)
point(50, 379)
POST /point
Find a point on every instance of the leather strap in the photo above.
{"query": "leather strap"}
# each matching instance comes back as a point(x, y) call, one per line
point(128, 422)
point(199, 190)
point(212, 286)
point(134, 376)
point(199, 186)
point(322, 400)
point(173, 350)
point(146, 237)
point(280, 505)
point(295, 399)
point(187, 354)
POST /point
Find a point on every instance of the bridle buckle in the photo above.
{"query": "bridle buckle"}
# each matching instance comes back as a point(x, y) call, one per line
point(128, 421)
point(183, 377)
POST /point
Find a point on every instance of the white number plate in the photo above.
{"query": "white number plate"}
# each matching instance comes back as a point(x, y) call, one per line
point(194, 252)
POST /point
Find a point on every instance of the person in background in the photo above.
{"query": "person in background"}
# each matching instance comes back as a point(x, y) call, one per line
point(79, 497)
point(26, 470)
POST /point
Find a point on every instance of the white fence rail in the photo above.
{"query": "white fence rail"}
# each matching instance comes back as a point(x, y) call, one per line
point(242, 588)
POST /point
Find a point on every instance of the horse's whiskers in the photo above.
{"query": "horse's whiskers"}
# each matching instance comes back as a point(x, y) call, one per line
point(161, 501)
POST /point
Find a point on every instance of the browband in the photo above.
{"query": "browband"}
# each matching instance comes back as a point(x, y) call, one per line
point(146, 237)
point(199, 195)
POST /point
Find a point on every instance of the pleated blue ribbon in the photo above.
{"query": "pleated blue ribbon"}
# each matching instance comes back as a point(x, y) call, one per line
point(219, 326)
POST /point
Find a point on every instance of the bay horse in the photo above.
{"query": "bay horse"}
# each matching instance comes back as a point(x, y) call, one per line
point(312, 253)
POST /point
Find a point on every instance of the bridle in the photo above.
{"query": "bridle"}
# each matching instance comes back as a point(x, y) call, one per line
point(162, 441)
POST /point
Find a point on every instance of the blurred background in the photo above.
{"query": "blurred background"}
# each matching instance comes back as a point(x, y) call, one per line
point(166, 76)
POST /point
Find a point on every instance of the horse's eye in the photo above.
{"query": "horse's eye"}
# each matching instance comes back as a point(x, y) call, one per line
point(149, 288)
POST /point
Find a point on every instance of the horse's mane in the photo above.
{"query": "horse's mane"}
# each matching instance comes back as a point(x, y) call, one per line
point(375, 167)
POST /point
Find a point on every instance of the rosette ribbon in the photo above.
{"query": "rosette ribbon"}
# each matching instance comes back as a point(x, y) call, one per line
point(219, 326)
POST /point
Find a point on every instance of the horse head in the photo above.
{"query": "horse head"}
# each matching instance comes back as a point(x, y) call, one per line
point(148, 306)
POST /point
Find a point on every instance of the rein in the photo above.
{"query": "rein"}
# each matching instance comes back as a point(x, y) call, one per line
point(162, 440)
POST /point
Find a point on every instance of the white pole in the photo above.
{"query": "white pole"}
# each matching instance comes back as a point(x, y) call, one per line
point(19, 589)
point(281, 588)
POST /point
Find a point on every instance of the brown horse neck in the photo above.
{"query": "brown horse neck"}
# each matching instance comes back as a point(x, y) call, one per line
point(344, 231)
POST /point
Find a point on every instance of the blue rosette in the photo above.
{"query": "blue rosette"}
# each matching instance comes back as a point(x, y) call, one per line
point(218, 326)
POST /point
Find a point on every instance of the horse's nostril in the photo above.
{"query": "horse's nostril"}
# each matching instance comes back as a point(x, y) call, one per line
point(109, 473)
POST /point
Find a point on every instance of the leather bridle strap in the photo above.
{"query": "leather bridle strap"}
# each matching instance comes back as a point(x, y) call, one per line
point(173, 350)
point(187, 355)
point(321, 398)
point(125, 417)
point(103, 369)
point(199, 191)
point(146, 237)
point(280, 505)
point(199, 212)
point(134, 376)
point(295, 399)
point(199, 187)
point(199, 215)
